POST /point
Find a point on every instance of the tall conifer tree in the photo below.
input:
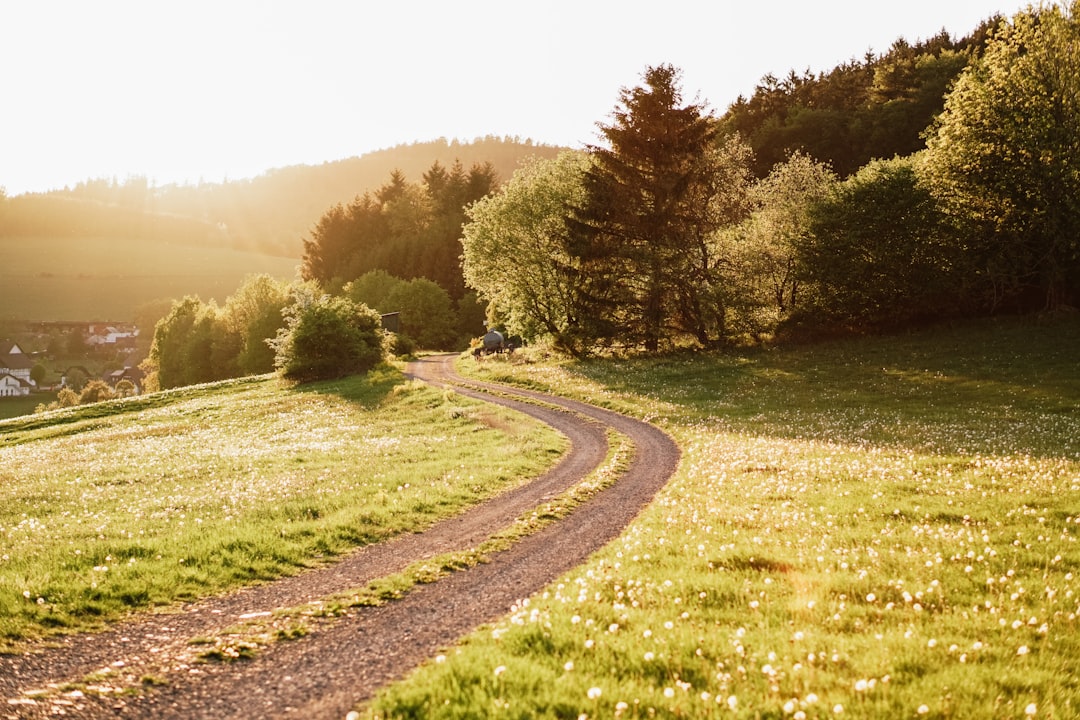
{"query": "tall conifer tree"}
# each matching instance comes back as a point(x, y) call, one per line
point(642, 237)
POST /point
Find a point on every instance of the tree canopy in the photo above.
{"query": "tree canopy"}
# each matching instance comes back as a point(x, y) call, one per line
point(408, 230)
point(1004, 156)
point(327, 337)
point(516, 247)
point(876, 107)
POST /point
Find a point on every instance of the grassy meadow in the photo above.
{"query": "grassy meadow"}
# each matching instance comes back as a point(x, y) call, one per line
point(99, 278)
point(870, 528)
point(125, 505)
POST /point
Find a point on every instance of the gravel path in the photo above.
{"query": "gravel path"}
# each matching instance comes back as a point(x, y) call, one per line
point(340, 663)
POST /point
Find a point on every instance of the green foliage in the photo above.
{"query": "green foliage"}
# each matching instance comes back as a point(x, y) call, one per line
point(1005, 156)
point(516, 247)
point(67, 397)
point(76, 378)
point(762, 274)
point(859, 110)
point(644, 266)
point(471, 317)
point(96, 391)
point(327, 337)
point(199, 342)
point(125, 388)
point(180, 354)
point(372, 289)
point(252, 316)
point(408, 230)
point(38, 373)
point(877, 251)
point(426, 314)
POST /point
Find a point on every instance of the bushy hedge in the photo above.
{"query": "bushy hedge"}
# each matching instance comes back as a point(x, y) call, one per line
point(328, 337)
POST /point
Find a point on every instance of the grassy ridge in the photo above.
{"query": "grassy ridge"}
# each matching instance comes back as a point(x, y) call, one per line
point(120, 506)
point(875, 528)
point(97, 278)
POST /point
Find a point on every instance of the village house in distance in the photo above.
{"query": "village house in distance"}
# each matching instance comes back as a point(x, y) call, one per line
point(15, 366)
point(92, 343)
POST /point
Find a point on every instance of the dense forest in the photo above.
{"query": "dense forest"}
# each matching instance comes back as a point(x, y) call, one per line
point(876, 107)
point(686, 230)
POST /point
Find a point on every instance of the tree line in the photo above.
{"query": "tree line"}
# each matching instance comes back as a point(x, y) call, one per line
point(270, 213)
point(877, 107)
point(669, 235)
point(664, 236)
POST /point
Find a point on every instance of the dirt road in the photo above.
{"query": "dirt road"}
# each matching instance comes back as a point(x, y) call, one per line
point(340, 663)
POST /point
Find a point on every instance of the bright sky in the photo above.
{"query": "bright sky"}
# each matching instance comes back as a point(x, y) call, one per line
point(183, 90)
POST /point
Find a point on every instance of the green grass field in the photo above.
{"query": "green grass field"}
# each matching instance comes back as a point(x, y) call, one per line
point(17, 406)
point(97, 278)
point(876, 528)
point(125, 505)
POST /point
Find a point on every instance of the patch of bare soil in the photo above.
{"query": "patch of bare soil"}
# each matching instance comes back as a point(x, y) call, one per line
point(343, 661)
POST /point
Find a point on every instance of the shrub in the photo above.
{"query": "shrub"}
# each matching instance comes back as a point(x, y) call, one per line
point(95, 391)
point(327, 337)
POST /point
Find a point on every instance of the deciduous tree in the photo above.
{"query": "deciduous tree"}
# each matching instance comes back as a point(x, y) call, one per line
point(516, 247)
point(762, 252)
point(327, 337)
point(876, 251)
point(1005, 154)
point(427, 313)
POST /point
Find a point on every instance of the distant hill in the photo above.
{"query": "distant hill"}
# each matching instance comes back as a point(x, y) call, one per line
point(270, 213)
point(103, 248)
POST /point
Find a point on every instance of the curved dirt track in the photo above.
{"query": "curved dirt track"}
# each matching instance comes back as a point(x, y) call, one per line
point(338, 664)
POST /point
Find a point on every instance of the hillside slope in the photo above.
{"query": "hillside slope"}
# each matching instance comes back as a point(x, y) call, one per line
point(101, 249)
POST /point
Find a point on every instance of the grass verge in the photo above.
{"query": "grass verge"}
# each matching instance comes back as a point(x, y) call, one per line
point(127, 505)
point(873, 528)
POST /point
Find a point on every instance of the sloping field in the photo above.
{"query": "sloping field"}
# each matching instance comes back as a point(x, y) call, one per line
point(875, 528)
point(97, 278)
point(127, 505)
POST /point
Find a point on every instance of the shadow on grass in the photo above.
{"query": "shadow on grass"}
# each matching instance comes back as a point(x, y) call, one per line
point(1009, 372)
point(368, 391)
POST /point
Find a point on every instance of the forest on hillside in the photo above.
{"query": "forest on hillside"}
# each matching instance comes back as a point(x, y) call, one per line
point(841, 203)
point(875, 107)
point(270, 213)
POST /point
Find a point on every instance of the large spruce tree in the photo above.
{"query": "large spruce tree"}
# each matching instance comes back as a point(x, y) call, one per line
point(642, 238)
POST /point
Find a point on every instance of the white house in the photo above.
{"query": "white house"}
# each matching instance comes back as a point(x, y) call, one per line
point(11, 386)
point(15, 366)
point(110, 336)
